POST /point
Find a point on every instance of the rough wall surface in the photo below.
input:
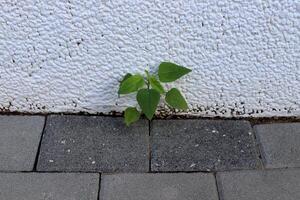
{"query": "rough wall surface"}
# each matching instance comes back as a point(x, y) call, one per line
point(68, 56)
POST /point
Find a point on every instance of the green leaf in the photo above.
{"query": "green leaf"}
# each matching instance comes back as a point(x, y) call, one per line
point(125, 77)
point(131, 115)
point(148, 100)
point(176, 100)
point(131, 84)
point(169, 72)
point(155, 84)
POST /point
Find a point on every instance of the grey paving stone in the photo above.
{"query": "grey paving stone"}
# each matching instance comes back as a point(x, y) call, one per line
point(19, 141)
point(35, 186)
point(85, 143)
point(197, 145)
point(283, 184)
point(280, 144)
point(193, 186)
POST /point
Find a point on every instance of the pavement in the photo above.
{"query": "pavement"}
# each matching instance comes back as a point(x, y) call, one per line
point(73, 157)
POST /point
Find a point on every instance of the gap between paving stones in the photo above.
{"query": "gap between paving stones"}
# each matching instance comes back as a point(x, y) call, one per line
point(99, 187)
point(257, 148)
point(149, 145)
point(152, 172)
point(217, 186)
point(164, 172)
point(39, 146)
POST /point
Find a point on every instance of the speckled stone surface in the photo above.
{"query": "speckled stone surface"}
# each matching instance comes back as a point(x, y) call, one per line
point(280, 144)
point(177, 186)
point(48, 186)
point(283, 184)
point(202, 145)
point(85, 143)
point(19, 141)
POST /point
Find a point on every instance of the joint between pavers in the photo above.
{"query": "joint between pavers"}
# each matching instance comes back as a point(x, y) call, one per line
point(149, 145)
point(184, 172)
point(218, 187)
point(39, 146)
point(99, 186)
point(258, 148)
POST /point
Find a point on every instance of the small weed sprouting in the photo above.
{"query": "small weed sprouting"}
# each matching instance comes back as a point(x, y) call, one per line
point(149, 91)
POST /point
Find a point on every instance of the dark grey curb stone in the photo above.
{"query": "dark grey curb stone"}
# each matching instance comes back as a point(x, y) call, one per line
point(202, 145)
point(279, 184)
point(90, 143)
point(53, 186)
point(19, 140)
point(280, 144)
point(179, 186)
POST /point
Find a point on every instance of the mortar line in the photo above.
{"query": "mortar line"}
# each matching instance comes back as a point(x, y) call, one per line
point(217, 187)
point(149, 145)
point(153, 172)
point(257, 147)
point(39, 146)
point(99, 186)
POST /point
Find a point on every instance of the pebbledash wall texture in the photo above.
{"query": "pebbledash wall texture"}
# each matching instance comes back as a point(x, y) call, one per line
point(68, 56)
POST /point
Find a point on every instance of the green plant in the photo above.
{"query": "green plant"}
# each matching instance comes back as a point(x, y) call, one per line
point(149, 91)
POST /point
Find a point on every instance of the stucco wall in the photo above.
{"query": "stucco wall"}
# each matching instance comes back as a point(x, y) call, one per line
point(68, 56)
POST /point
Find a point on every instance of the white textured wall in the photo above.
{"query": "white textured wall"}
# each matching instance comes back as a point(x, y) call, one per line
point(68, 55)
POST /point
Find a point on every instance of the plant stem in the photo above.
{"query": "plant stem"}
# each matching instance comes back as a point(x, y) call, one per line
point(148, 77)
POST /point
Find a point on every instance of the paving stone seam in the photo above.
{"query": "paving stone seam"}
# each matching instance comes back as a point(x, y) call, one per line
point(213, 172)
point(51, 172)
point(257, 148)
point(149, 146)
point(217, 186)
point(57, 172)
point(260, 148)
point(153, 172)
point(99, 186)
point(40, 144)
point(181, 172)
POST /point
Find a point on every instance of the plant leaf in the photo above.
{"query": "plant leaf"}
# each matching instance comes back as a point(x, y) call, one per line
point(131, 84)
point(131, 115)
point(125, 77)
point(148, 100)
point(176, 100)
point(155, 84)
point(168, 72)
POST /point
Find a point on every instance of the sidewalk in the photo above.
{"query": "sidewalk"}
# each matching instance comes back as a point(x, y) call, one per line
point(64, 157)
